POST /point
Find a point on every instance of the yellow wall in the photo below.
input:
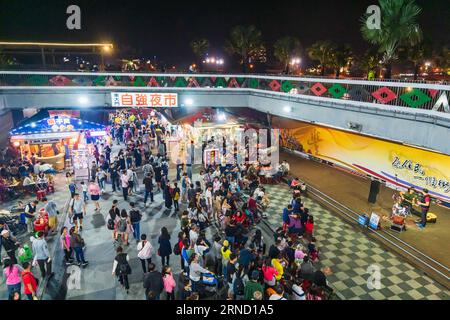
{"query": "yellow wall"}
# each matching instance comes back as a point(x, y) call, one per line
point(383, 159)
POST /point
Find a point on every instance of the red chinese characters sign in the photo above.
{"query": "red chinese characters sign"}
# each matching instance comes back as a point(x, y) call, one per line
point(144, 99)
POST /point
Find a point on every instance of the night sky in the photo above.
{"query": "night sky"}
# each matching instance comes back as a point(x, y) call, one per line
point(165, 28)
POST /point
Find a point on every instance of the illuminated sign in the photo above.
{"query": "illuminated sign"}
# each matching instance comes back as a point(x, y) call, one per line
point(151, 100)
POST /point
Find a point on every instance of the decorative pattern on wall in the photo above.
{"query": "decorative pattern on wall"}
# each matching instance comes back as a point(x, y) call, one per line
point(392, 94)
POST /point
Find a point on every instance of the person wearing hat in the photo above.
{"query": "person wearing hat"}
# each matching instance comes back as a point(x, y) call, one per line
point(10, 244)
point(252, 286)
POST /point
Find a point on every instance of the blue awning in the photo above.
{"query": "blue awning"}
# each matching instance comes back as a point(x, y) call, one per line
point(56, 125)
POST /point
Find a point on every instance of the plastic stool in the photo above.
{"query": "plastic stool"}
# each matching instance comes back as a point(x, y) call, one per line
point(41, 194)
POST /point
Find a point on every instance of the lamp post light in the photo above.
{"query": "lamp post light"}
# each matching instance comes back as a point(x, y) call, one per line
point(215, 62)
point(295, 63)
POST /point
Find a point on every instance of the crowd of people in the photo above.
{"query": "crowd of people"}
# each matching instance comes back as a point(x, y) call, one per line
point(220, 244)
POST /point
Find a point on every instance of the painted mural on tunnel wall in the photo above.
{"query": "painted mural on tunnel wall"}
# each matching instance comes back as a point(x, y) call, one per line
point(395, 163)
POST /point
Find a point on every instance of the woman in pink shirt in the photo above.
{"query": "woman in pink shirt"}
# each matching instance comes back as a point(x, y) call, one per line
point(169, 283)
point(94, 191)
point(65, 245)
point(269, 273)
point(12, 274)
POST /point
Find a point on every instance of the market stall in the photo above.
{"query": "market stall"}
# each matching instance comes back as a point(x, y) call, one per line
point(53, 139)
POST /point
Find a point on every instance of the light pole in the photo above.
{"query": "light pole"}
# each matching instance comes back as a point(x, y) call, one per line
point(295, 63)
point(214, 62)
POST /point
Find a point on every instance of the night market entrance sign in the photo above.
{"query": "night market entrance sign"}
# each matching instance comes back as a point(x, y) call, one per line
point(150, 100)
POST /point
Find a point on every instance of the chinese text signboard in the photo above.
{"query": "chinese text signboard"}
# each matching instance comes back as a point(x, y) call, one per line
point(151, 100)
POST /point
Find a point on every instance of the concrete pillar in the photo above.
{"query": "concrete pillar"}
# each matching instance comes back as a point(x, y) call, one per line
point(6, 123)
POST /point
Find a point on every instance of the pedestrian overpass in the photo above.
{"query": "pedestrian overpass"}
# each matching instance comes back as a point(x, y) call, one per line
point(413, 113)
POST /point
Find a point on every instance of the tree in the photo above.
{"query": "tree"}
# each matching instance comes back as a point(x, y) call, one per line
point(322, 51)
point(442, 58)
point(417, 55)
point(199, 48)
point(340, 57)
point(398, 27)
point(5, 60)
point(286, 48)
point(245, 42)
point(369, 62)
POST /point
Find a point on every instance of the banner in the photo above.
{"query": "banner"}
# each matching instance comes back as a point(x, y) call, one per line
point(143, 99)
point(392, 162)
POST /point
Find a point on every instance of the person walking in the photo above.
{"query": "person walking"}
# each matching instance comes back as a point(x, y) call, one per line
point(12, 274)
point(30, 214)
point(121, 268)
point(169, 283)
point(424, 204)
point(42, 255)
point(124, 227)
point(176, 196)
point(168, 195)
point(153, 283)
point(77, 210)
point(94, 191)
point(196, 271)
point(29, 282)
point(65, 246)
point(52, 211)
point(165, 248)
point(148, 184)
point(77, 244)
point(135, 219)
point(145, 250)
point(124, 184)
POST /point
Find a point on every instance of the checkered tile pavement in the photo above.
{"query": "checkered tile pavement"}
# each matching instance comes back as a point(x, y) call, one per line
point(349, 253)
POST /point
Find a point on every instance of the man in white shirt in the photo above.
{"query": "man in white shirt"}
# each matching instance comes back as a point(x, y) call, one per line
point(208, 198)
point(124, 183)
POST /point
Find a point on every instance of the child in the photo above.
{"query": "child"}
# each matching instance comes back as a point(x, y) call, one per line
point(187, 289)
point(169, 283)
point(85, 190)
point(312, 250)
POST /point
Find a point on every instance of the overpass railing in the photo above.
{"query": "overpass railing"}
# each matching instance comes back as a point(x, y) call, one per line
point(427, 96)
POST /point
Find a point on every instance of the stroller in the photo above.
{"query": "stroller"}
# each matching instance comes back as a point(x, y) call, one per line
point(211, 287)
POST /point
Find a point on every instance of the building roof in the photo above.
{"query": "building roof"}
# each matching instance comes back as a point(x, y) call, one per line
point(56, 124)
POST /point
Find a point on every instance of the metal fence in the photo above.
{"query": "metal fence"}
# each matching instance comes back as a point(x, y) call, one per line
point(428, 96)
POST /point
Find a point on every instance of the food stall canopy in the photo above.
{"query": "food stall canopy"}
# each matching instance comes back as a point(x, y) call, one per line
point(57, 126)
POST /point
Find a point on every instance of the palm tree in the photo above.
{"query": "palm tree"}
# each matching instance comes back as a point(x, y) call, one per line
point(200, 48)
point(286, 48)
point(245, 42)
point(340, 57)
point(322, 51)
point(398, 27)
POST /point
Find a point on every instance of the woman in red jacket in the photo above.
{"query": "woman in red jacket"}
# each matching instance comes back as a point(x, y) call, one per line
point(309, 228)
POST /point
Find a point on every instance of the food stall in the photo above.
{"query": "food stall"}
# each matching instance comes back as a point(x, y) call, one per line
point(53, 139)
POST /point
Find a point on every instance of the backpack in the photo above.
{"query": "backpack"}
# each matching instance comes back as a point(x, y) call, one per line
point(176, 196)
point(176, 249)
point(135, 216)
point(110, 224)
point(122, 225)
point(238, 286)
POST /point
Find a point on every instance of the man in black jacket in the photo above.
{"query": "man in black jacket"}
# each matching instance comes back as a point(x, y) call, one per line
point(153, 283)
point(10, 244)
